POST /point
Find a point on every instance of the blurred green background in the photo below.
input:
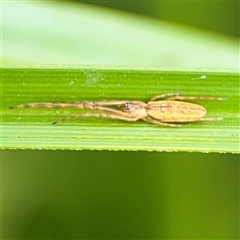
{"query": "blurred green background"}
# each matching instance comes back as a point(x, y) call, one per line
point(217, 16)
point(127, 195)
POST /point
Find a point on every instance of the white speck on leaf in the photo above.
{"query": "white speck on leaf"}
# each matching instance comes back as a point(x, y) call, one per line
point(200, 78)
point(92, 78)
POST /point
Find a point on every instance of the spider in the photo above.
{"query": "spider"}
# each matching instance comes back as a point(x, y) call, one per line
point(169, 110)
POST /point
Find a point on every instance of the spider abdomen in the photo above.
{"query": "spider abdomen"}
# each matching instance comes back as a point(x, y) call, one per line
point(175, 111)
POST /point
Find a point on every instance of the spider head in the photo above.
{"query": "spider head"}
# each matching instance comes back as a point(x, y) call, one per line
point(135, 109)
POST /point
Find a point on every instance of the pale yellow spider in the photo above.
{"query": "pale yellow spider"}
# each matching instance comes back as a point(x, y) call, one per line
point(169, 110)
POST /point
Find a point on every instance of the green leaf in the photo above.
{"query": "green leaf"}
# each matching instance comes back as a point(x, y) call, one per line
point(33, 129)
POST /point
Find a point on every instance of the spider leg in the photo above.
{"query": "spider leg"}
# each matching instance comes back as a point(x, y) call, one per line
point(100, 103)
point(108, 110)
point(97, 115)
point(47, 105)
point(154, 121)
point(105, 112)
point(170, 96)
point(79, 105)
point(210, 119)
point(177, 96)
point(198, 98)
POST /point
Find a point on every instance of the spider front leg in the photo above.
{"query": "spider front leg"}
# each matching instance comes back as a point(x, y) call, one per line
point(94, 105)
point(78, 104)
point(108, 110)
point(97, 115)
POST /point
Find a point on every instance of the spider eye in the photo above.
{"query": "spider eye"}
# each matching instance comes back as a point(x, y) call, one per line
point(126, 107)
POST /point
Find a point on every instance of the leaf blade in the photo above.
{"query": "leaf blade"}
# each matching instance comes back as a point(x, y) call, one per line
point(32, 128)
